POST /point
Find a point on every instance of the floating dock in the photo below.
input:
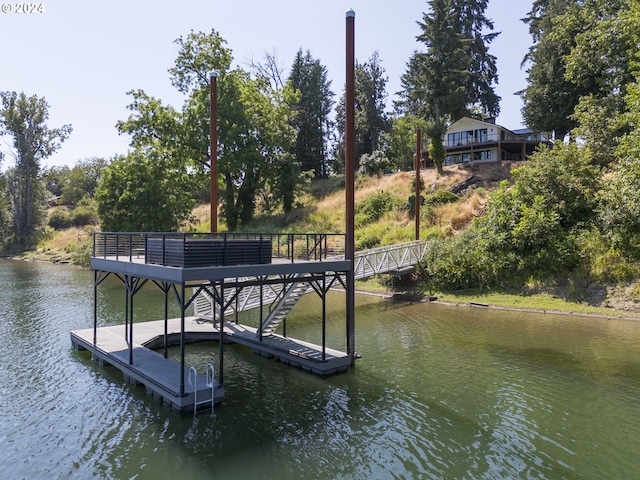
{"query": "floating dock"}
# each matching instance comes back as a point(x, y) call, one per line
point(161, 376)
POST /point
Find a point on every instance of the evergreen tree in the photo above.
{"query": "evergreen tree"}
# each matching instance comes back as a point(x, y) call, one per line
point(371, 120)
point(312, 110)
point(456, 72)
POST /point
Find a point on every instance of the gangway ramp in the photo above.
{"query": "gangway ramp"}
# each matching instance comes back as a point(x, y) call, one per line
point(388, 259)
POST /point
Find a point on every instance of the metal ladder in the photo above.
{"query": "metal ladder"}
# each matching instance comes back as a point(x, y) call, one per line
point(209, 382)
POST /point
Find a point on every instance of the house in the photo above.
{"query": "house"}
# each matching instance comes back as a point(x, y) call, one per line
point(470, 140)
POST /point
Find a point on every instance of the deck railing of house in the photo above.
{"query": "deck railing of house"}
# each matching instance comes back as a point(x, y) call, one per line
point(497, 137)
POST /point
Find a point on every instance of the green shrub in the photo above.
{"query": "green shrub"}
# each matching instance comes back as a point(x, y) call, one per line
point(367, 240)
point(81, 254)
point(440, 197)
point(372, 208)
point(60, 218)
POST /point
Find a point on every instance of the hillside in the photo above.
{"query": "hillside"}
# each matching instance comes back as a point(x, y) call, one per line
point(321, 209)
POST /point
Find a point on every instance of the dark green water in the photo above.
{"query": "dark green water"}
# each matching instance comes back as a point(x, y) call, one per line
point(440, 392)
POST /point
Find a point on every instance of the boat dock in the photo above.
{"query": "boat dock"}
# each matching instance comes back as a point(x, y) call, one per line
point(218, 275)
point(161, 376)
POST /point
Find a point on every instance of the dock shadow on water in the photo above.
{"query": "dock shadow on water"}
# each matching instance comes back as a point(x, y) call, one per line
point(440, 392)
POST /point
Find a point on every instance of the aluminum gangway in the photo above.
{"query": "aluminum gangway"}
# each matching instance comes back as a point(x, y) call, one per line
point(398, 259)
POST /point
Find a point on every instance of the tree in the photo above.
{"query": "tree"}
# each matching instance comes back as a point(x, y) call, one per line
point(82, 180)
point(371, 120)
point(254, 129)
point(311, 120)
point(399, 143)
point(455, 73)
point(570, 58)
point(619, 199)
point(54, 179)
point(24, 118)
point(5, 211)
point(143, 193)
point(603, 60)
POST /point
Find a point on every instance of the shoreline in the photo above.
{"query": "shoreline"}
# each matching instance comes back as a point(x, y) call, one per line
point(423, 299)
point(417, 299)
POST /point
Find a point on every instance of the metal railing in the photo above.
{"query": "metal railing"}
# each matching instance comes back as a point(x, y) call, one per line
point(208, 383)
point(130, 246)
point(497, 137)
point(367, 263)
point(387, 259)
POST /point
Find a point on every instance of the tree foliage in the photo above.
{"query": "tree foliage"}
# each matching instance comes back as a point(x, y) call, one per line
point(579, 66)
point(254, 128)
point(456, 72)
point(143, 193)
point(371, 121)
point(399, 143)
point(24, 119)
point(312, 120)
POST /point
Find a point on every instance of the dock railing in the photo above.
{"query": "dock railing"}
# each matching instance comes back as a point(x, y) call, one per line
point(135, 246)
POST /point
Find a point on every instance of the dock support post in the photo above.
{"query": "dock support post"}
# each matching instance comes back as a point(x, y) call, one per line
point(324, 316)
point(221, 368)
point(417, 186)
point(349, 181)
point(131, 293)
point(165, 288)
point(182, 339)
point(95, 305)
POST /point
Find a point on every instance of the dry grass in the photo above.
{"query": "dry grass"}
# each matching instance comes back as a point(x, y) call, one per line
point(67, 236)
point(323, 207)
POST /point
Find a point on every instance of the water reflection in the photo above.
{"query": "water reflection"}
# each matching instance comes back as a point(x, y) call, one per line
point(439, 393)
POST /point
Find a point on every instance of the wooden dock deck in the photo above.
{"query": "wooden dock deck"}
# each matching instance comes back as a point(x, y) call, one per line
point(161, 376)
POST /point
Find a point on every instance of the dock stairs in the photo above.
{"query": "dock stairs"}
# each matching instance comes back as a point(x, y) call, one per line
point(290, 297)
point(396, 259)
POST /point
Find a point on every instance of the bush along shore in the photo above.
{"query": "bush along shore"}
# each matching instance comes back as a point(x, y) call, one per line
point(479, 251)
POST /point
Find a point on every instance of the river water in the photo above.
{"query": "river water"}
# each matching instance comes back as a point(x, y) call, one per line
point(440, 392)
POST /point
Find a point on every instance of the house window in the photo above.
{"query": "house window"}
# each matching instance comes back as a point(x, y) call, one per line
point(481, 135)
point(453, 159)
point(482, 155)
point(466, 137)
point(453, 139)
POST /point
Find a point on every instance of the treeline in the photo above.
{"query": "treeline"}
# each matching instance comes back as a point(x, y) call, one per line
point(275, 131)
point(572, 213)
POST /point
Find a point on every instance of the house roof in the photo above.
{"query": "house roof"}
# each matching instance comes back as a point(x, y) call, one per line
point(523, 131)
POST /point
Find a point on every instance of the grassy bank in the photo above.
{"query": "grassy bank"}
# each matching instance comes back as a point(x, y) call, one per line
point(540, 301)
point(385, 221)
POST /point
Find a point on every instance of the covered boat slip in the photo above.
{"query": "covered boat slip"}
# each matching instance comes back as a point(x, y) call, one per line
point(218, 267)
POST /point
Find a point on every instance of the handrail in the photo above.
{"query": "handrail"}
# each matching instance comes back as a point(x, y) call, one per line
point(367, 263)
point(209, 382)
point(130, 246)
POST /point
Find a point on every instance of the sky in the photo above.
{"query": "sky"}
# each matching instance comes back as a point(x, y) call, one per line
point(83, 57)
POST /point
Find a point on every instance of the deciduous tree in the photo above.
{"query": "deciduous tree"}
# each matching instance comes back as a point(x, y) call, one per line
point(142, 192)
point(254, 126)
point(24, 119)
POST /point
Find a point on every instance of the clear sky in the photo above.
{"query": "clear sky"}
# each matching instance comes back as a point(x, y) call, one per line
point(83, 56)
